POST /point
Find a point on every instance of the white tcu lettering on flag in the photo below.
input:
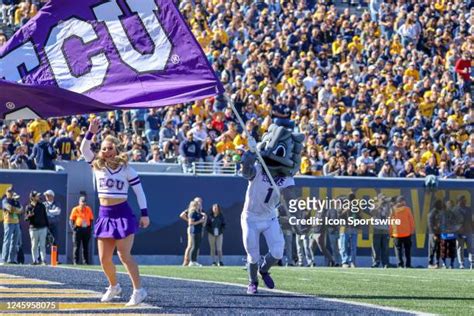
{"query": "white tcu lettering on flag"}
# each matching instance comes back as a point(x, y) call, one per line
point(110, 12)
point(59, 63)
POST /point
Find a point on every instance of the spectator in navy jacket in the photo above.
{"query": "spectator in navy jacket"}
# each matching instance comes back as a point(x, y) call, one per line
point(44, 153)
point(152, 125)
point(432, 167)
point(189, 151)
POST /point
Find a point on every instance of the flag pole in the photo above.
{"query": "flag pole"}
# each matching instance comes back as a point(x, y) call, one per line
point(259, 156)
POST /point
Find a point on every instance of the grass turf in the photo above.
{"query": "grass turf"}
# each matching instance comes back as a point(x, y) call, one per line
point(445, 292)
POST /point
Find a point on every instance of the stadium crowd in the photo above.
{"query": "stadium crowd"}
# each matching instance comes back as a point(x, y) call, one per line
point(385, 91)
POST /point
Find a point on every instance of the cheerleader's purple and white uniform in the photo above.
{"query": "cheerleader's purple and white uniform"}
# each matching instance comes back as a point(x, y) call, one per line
point(116, 221)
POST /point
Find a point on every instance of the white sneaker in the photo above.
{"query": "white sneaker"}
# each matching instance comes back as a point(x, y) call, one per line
point(194, 264)
point(137, 297)
point(112, 291)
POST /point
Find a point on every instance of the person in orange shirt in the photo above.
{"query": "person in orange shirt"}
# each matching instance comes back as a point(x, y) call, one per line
point(402, 233)
point(81, 223)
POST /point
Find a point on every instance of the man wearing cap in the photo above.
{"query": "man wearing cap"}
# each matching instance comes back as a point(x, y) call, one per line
point(354, 144)
point(44, 154)
point(35, 214)
point(11, 223)
point(365, 158)
point(81, 223)
point(53, 212)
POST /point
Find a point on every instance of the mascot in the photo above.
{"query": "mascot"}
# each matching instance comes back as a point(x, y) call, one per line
point(281, 151)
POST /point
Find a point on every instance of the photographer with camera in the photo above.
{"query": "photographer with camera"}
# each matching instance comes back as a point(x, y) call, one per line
point(35, 214)
point(20, 159)
point(11, 222)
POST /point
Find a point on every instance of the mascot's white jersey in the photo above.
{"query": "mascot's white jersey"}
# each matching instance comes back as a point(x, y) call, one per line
point(261, 202)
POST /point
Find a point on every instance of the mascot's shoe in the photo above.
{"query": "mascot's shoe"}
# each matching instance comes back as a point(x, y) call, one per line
point(252, 288)
point(267, 279)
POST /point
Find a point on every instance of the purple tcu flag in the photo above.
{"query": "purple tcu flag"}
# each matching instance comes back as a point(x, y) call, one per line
point(107, 54)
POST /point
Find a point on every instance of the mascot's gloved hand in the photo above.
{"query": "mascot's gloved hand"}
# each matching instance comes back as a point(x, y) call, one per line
point(252, 143)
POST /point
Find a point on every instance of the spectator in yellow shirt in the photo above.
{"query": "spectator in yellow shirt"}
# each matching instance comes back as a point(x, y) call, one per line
point(427, 106)
point(220, 35)
point(356, 44)
point(409, 85)
point(396, 46)
point(240, 140)
point(25, 11)
point(37, 128)
point(457, 117)
point(225, 144)
point(198, 108)
point(305, 168)
point(337, 46)
point(204, 39)
point(412, 72)
point(74, 128)
point(427, 155)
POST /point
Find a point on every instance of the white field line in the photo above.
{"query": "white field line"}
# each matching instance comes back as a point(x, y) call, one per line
point(391, 309)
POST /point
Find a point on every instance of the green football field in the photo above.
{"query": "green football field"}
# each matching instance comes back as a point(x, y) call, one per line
point(445, 292)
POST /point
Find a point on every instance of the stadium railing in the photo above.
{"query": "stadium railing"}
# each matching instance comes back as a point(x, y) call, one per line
point(161, 167)
point(199, 168)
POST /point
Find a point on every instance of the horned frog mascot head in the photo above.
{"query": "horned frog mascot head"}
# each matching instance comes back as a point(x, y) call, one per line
point(281, 150)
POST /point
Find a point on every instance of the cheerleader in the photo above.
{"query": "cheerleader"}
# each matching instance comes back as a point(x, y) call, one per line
point(116, 224)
